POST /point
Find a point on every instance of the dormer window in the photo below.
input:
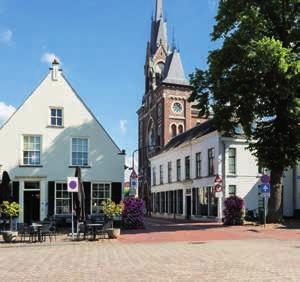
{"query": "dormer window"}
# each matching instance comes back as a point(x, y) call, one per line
point(56, 117)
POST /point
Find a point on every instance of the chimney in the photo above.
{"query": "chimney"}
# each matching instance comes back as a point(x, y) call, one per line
point(55, 69)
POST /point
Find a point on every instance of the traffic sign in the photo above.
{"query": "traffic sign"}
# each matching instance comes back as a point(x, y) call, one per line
point(134, 181)
point(73, 184)
point(265, 188)
point(218, 180)
point(218, 188)
point(133, 174)
point(265, 178)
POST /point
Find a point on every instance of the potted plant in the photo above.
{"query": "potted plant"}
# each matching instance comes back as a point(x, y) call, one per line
point(112, 210)
point(11, 210)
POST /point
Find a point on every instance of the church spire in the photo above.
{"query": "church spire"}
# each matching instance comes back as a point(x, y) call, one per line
point(159, 10)
point(159, 35)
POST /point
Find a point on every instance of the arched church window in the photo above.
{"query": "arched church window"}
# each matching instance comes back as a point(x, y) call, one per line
point(151, 134)
point(174, 130)
point(160, 67)
point(159, 72)
point(180, 129)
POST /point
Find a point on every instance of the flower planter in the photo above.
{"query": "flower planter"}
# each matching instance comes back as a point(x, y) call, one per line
point(9, 236)
point(114, 233)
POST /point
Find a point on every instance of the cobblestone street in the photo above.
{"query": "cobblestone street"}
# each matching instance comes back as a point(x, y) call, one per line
point(242, 260)
point(163, 252)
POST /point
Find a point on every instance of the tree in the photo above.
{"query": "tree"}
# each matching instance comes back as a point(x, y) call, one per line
point(253, 81)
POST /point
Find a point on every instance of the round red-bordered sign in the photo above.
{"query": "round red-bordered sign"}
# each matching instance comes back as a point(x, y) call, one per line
point(218, 188)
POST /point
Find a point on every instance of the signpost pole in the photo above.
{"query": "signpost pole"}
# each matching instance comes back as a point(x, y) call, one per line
point(72, 217)
point(265, 206)
point(265, 191)
point(220, 200)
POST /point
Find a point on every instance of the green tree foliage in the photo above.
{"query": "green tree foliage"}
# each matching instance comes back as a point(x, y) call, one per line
point(253, 80)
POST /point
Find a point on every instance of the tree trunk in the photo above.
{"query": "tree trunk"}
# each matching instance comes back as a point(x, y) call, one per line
point(275, 213)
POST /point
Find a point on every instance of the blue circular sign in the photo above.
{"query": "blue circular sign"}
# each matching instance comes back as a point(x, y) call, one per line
point(73, 184)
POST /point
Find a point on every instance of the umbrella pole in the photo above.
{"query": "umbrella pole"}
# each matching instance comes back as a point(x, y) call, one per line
point(72, 219)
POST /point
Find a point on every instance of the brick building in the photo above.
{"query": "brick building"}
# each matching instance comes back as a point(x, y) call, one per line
point(165, 111)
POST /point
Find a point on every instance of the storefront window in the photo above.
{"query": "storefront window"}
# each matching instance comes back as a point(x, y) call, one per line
point(62, 199)
point(167, 202)
point(100, 193)
point(205, 202)
point(163, 202)
point(180, 201)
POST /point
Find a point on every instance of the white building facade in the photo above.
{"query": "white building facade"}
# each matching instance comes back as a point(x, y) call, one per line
point(183, 175)
point(51, 134)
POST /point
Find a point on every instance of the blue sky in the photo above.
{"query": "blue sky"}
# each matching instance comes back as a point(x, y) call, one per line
point(101, 45)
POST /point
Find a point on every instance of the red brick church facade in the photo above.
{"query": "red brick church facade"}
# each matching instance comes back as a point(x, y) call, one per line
point(165, 111)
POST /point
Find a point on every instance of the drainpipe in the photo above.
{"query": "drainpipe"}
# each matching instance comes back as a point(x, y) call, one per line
point(223, 173)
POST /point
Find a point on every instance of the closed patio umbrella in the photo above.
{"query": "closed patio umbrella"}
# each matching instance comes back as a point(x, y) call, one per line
point(5, 189)
point(79, 198)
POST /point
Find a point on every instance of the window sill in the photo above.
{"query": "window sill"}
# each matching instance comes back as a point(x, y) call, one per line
point(74, 166)
point(30, 166)
point(54, 126)
point(231, 175)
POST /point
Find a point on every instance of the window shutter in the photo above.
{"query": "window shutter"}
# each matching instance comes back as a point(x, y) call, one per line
point(87, 193)
point(15, 192)
point(51, 197)
point(116, 192)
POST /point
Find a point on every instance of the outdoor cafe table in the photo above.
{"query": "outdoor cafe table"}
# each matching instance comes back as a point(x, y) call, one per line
point(94, 227)
point(37, 228)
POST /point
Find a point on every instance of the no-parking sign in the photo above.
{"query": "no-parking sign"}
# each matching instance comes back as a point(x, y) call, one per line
point(73, 184)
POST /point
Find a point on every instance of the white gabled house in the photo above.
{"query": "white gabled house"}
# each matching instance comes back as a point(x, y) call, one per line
point(184, 173)
point(50, 134)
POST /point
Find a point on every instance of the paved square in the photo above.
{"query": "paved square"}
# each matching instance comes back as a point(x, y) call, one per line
point(163, 252)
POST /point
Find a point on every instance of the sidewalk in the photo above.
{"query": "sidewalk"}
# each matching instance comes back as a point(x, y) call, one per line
point(162, 230)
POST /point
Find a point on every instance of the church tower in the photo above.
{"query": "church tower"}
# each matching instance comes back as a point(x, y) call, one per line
point(165, 111)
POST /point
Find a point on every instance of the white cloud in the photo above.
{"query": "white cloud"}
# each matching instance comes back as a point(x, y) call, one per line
point(5, 112)
point(123, 126)
point(49, 58)
point(6, 36)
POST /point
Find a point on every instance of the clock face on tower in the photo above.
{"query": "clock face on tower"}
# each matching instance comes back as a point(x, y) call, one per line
point(177, 107)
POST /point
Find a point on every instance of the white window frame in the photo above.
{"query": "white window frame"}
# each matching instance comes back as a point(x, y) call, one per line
point(55, 198)
point(99, 183)
point(235, 190)
point(71, 151)
point(23, 149)
point(62, 116)
point(235, 160)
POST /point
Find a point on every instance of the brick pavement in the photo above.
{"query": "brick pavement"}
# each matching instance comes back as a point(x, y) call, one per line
point(158, 230)
point(165, 251)
point(239, 260)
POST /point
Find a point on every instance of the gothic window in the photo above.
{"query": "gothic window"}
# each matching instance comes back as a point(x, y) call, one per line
point(160, 67)
point(174, 130)
point(180, 129)
point(151, 134)
point(159, 72)
point(159, 134)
